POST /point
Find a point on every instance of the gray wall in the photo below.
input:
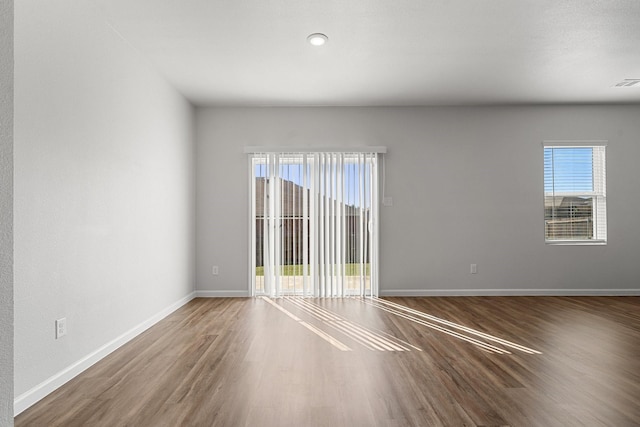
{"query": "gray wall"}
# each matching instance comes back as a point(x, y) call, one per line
point(104, 188)
point(6, 212)
point(466, 186)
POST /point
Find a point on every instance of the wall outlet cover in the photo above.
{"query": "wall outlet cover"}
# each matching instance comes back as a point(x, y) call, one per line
point(61, 327)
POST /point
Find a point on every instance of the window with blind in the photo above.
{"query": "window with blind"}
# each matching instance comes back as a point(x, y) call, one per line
point(575, 198)
point(314, 224)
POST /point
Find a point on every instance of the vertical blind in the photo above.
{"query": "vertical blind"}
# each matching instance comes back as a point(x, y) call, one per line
point(314, 224)
point(575, 192)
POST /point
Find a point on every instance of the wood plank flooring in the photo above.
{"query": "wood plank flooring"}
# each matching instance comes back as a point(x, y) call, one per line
point(575, 361)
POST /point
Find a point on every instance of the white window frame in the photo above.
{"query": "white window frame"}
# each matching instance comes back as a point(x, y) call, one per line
point(599, 194)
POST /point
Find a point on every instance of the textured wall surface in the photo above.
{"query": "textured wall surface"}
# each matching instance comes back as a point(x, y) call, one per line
point(466, 185)
point(104, 191)
point(6, 212)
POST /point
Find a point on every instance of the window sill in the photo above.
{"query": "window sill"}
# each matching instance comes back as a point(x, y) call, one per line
point(576, 242)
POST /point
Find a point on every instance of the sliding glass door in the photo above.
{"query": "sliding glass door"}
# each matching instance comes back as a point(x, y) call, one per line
point(314, 224)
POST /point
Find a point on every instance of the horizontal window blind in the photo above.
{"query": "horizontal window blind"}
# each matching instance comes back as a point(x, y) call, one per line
point(314, 224)
point(575, 193)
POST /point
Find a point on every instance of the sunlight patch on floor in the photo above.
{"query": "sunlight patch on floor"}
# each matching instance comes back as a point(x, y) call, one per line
point(371, 339)
point(331, 340)
point(470, 335)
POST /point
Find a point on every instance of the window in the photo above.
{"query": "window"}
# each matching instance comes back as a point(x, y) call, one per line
point(575, 197)
point(313, 224)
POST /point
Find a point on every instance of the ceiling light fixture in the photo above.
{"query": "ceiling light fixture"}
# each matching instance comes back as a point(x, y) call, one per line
point(317, 39)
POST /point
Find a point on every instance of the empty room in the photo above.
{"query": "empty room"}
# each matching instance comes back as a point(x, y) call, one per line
point(304, 213)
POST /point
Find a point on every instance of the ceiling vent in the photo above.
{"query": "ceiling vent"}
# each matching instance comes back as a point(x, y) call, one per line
point(628, 83)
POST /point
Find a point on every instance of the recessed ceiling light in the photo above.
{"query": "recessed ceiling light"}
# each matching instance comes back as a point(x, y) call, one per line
point(317, 39)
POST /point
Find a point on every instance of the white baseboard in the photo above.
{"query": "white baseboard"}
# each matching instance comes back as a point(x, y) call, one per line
point(506, 292)
point(222, 294)
point(461, 292)
point(25, 400)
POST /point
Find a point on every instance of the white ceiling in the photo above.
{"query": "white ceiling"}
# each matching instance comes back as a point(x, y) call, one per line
point(387, 52)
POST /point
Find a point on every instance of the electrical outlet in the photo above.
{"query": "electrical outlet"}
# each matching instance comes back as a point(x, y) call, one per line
point(215, 270)
point(61, 327)
point(474, 268)
point(387, 201)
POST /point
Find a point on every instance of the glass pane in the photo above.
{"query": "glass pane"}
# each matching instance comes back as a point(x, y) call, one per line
point(568, 218)
point(568, 169)
point(325, 199)
point(571, 189)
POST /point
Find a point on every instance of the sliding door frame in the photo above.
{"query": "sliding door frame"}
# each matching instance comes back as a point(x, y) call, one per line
point(310, 234)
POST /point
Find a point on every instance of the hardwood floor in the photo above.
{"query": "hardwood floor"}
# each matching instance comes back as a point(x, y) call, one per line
point(470, 361)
